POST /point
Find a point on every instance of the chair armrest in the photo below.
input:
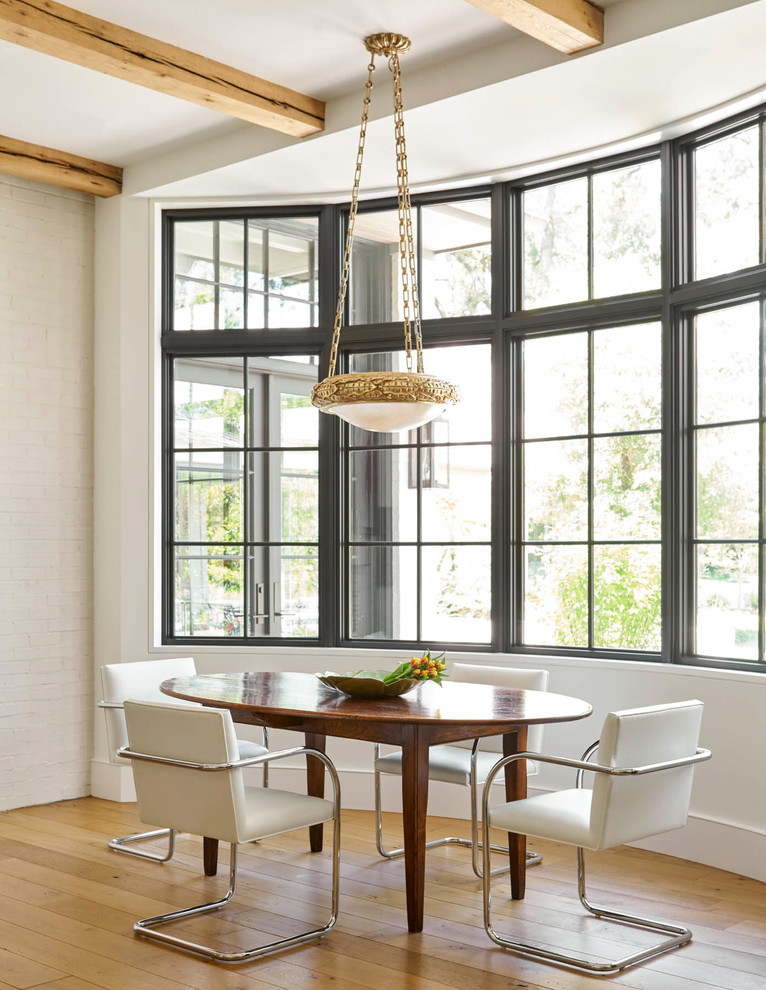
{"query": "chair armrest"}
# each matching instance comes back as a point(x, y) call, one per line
point(700, 756)
point(251, 761)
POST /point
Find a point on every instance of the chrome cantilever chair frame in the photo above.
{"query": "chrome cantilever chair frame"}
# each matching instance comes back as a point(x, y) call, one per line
point(148, 927)
point(122, 843)
point(679, 935)
point(475, 843)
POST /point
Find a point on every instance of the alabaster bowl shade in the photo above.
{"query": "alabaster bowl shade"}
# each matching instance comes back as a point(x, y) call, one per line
point(385, 401)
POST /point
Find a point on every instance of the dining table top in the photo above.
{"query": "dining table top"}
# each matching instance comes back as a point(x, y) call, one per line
point(285, 693)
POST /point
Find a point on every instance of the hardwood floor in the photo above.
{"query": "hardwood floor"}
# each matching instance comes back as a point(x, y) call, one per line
point(67, 906)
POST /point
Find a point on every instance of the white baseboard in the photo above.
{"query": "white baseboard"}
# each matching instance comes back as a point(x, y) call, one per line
point(724, 846)
point(727, 847)
point(111, 781)
point(719, 844)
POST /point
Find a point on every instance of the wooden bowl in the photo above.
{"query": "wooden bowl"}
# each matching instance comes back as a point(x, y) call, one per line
point(367, 684)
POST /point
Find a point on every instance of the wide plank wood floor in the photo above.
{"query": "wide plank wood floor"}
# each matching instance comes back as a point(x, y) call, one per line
point(67, 906)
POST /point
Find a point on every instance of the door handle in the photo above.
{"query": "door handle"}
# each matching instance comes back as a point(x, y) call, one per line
point(277, 599)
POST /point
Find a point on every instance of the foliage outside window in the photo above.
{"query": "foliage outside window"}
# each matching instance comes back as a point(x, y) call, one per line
point(592, 494)
point(592, 237)
point(727, 440)
point(245, 540)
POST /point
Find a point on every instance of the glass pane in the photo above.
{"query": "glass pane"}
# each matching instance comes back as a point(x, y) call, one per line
point(281, 281)
point(726, 185)
point(626, 230)
point(727, 364)
point(231, 249)
point(457, 594)
point(289, 313)
point(231, 309)
point(208, 497)
point(375, 285)
point(457, 277)
point(256, 257)
point(556, 490)
point(556, 243)
point(209, 592)
point(283, 591)
point(556, 385)
point(256, 319)
point(299, 588)
point(279, 393)
point(292, 267)
point(457, 493)
point(195, 248)
point(298, 419)
point(727, 483)
point(556, 596)
point(297, 358)
point(194, 305)
point(627, 597)
point(299, 481)
point(467, 366)
point(383, 501)
point(382, 597)
point(727, 601)
point(209, 402)
point(284, 496)
point(626, 482)
point(627, 378)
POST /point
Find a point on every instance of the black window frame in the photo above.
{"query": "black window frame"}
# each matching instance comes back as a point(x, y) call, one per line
point(505, 328)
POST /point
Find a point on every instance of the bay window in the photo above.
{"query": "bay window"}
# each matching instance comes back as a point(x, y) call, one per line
point(599, 491)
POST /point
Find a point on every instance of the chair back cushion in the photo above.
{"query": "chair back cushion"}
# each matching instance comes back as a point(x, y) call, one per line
point(625, 809)
point(139, 679)
point(507, 677)
point(204, 803)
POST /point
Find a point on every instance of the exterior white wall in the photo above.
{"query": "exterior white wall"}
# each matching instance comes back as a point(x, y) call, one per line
point(727, 827)
point(46, 492)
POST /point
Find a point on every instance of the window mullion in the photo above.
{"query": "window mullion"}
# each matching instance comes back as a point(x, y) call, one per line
point(761, 482)
point(591, 555)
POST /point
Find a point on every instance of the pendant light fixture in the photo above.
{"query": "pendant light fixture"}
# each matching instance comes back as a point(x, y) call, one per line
point(384, 401)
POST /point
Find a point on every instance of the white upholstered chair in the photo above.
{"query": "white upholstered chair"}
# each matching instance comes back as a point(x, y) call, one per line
point(188, 776)
point(642, 785)
point(142, 679)
point(467, 762)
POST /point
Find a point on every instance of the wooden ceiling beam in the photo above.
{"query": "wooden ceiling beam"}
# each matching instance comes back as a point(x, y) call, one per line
point(567, 25)
point(51, 28)
point(57, 168)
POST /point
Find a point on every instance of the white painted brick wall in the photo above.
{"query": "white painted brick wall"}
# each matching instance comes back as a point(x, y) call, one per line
point(46, 492)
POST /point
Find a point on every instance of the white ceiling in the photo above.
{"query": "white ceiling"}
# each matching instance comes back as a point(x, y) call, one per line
point(482, 99)
point(313, 46)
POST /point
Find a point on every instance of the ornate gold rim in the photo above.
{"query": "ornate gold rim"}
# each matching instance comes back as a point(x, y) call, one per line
point(383, 386)
point(387, 43)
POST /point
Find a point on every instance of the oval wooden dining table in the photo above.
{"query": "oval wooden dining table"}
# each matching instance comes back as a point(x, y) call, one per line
point(425, 717)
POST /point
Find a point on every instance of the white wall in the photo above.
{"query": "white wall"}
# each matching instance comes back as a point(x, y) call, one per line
point(46, 489)
point(727, 827)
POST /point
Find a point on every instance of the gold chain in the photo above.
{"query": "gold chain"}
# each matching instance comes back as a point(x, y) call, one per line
point(351, 220)
point(406, 245)
point(410, 300)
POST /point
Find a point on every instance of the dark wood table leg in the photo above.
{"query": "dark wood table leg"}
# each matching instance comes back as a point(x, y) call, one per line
point(415, 808)
point(210, 856)
point(516, 788)
point(315, 783)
